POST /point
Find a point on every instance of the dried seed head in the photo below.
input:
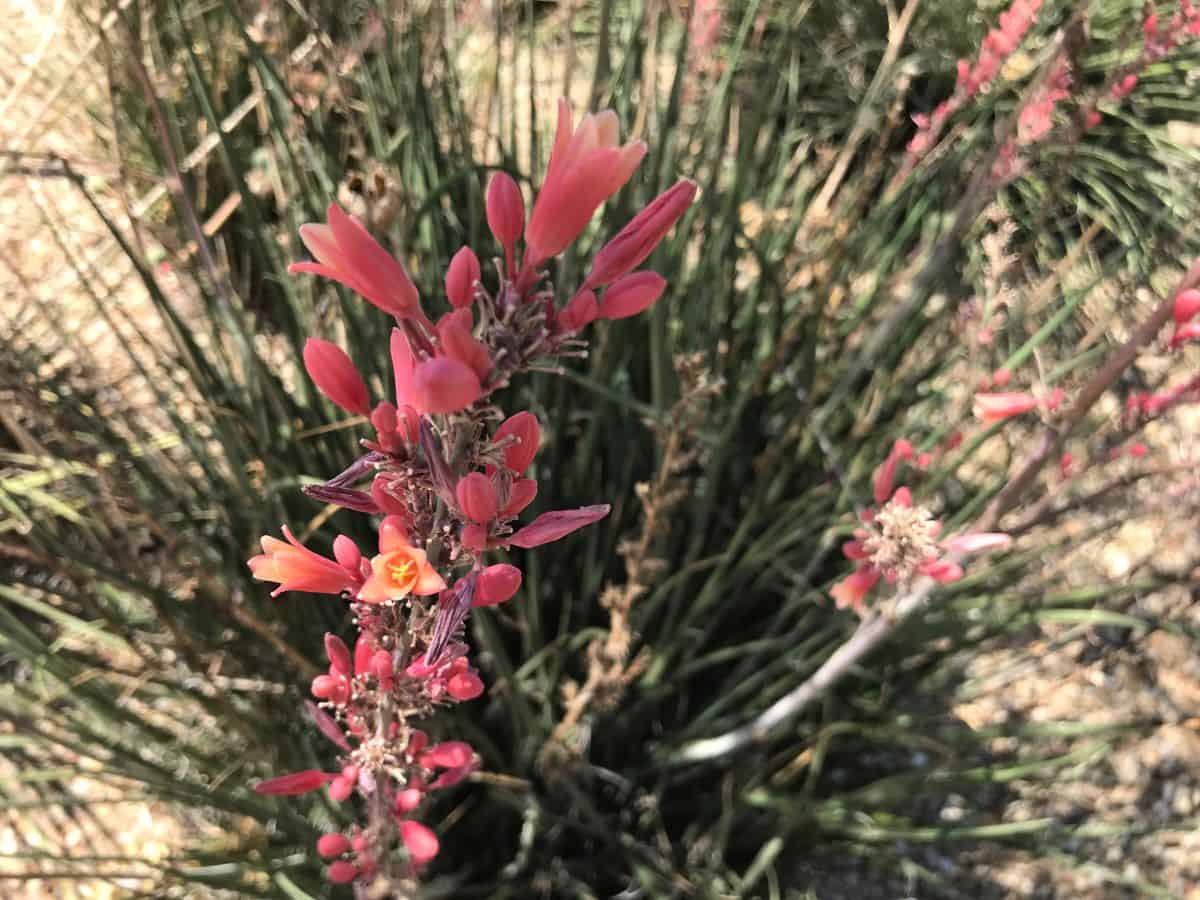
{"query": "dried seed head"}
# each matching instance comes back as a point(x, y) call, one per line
point(901, 539)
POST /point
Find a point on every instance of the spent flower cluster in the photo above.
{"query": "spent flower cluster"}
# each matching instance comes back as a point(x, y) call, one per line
point(448, 476)
point(898, 539)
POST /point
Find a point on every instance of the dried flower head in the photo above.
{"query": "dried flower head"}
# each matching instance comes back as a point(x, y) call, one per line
point(901, 539)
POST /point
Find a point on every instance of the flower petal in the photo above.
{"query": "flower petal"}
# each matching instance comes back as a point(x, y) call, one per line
point(551, 526)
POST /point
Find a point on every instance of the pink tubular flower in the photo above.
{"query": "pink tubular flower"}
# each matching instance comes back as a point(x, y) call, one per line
point(520, 495)
point(552, 526)
point(997, 407)
point(437, 385)
point(399, 570)
point(851, 591)
point(580, 312)
point(444, 385)
point(419, 841)
point(520, 434)
point(645, 231)
point(978, 542)
point(631, 294)
point(463, 686)
point(340, 660)
point(296, 568)
point(335, 375)
point(294, 783)
point(347, 253)
point(942, 571)
point(461, 277)
point(587, 166)
point(885, 475)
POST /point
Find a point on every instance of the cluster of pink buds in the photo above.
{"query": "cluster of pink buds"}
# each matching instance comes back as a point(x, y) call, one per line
point(997, 46)
point(1036, 117)
point(448, 475)
point(1163, 37)
point(1159, 39)
point(1145, 405)
point(898, 539)
point(1035, 120)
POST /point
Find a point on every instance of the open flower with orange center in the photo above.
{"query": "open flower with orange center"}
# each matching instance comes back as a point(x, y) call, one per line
point(400, 569)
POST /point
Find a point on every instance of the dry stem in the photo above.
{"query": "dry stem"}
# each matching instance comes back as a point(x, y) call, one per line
point(610, 670)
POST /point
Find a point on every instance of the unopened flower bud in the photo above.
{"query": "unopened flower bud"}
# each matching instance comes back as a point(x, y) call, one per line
point(445, 385)
point(331, 845)
point(447, 755)
point(407, 800)
point(419, 841)
point(364, 649)
point(346, 552)
point(338, 654)
point(342, 872)
point(464, 686)
point(477, 497)
point(637, 240)
point(1187, 306)
point(996, 407)
point(461, 277)
point(505, 210)
point(333, 688)
point(631, 294)
point(381, 665)
point(340, 789)
point(496, 584)
point(335, 376)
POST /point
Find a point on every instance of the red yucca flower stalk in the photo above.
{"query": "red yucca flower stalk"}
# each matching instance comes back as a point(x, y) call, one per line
point(448, 475)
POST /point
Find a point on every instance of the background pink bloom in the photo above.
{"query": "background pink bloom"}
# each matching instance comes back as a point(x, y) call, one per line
point(996, 407)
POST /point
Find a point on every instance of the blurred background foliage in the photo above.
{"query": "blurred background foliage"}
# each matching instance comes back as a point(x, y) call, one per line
point(838, 306)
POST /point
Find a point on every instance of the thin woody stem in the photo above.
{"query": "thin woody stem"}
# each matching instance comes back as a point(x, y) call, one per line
point(875, 631)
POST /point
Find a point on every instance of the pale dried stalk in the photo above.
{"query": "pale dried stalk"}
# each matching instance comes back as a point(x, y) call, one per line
point(610, 670)
point(873, 632)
